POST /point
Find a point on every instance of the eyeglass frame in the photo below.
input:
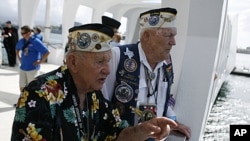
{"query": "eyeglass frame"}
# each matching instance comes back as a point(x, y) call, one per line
point(24, 32)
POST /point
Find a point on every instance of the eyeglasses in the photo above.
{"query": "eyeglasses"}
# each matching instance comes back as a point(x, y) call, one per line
point(23, 33)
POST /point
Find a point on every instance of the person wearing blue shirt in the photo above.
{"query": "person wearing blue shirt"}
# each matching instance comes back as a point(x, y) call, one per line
point(31, 52)
point(37, 33)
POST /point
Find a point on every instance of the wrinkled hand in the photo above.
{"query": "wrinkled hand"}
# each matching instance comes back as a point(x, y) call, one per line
point(157, 128)
point(182, 129)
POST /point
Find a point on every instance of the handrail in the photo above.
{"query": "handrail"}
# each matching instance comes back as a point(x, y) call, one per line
point(176, 136)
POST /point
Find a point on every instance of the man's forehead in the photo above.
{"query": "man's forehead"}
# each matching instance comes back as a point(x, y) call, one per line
point(96, 54)
point(167, 30)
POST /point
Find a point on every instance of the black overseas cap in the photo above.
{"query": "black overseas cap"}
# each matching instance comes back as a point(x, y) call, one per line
point(93, 37)
point(110, 22)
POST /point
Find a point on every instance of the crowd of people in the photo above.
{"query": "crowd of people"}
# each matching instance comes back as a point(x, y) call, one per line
point(103, 91)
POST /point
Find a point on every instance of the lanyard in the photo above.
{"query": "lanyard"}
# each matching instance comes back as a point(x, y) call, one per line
point(79, 117)
point(149, 77)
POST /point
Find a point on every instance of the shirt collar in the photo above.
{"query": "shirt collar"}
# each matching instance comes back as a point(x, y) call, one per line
point(144, 61)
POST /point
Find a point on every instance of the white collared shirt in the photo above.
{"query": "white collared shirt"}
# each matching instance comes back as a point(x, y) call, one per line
point(108, 87)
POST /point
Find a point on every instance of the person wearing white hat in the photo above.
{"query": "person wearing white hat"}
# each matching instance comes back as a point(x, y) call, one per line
point(141, 77)
point(67, 105)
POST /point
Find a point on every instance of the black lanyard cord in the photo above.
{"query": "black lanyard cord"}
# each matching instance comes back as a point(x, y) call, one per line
point(149, 78)
point(78, 111)
point(79, 117)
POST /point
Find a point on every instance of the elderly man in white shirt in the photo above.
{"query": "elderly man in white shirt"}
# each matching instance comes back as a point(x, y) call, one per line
point(140, 79)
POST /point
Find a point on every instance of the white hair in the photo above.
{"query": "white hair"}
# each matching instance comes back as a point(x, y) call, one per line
point(142, 30)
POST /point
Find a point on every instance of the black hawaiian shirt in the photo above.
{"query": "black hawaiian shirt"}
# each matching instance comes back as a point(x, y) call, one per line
point(46, 112)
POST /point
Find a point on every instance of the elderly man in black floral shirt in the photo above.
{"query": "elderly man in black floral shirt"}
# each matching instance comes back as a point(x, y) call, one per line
point(67, 104)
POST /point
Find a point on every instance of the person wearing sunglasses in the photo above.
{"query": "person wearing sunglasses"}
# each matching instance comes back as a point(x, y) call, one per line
point(31, 52)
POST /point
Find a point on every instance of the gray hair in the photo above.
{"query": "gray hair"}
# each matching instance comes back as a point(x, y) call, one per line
point(142, 30)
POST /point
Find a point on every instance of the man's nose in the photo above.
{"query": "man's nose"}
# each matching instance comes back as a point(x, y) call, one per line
point(106, 69)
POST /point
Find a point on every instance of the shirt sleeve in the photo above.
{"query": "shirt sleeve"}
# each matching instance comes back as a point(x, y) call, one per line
point(40, 46)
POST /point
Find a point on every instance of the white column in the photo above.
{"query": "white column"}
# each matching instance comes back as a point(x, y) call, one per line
point(69, 13)
point(26, 12)
point(47, 27)
point(194, 59)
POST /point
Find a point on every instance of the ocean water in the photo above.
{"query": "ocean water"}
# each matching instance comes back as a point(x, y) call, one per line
point(55, 38)
point(231, 106)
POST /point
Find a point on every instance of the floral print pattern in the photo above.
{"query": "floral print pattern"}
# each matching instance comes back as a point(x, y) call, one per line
point(45, 112)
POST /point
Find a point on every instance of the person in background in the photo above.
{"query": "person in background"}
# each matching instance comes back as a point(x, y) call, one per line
point(140, 79)
point(10, 38)
point(66, 104)
point(115, 42)
point(37, 33)
point(112, 23)
point(31, 52)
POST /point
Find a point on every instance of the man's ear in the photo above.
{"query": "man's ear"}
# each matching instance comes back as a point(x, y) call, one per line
point(72, 62)
point(146, 35)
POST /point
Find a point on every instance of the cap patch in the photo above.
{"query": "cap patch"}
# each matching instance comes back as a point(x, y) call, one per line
point(90, 38)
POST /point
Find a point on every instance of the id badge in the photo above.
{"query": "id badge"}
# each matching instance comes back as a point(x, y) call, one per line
point(148, 111)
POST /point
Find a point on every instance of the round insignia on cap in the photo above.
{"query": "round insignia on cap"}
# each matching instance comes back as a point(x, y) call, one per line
point(98, 46)
point(154, 20)
point(130, 65)
point(124, 92)
point(83, 41)
point(95, 37)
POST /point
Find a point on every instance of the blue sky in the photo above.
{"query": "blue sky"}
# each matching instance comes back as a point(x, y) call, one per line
point(8, 11)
